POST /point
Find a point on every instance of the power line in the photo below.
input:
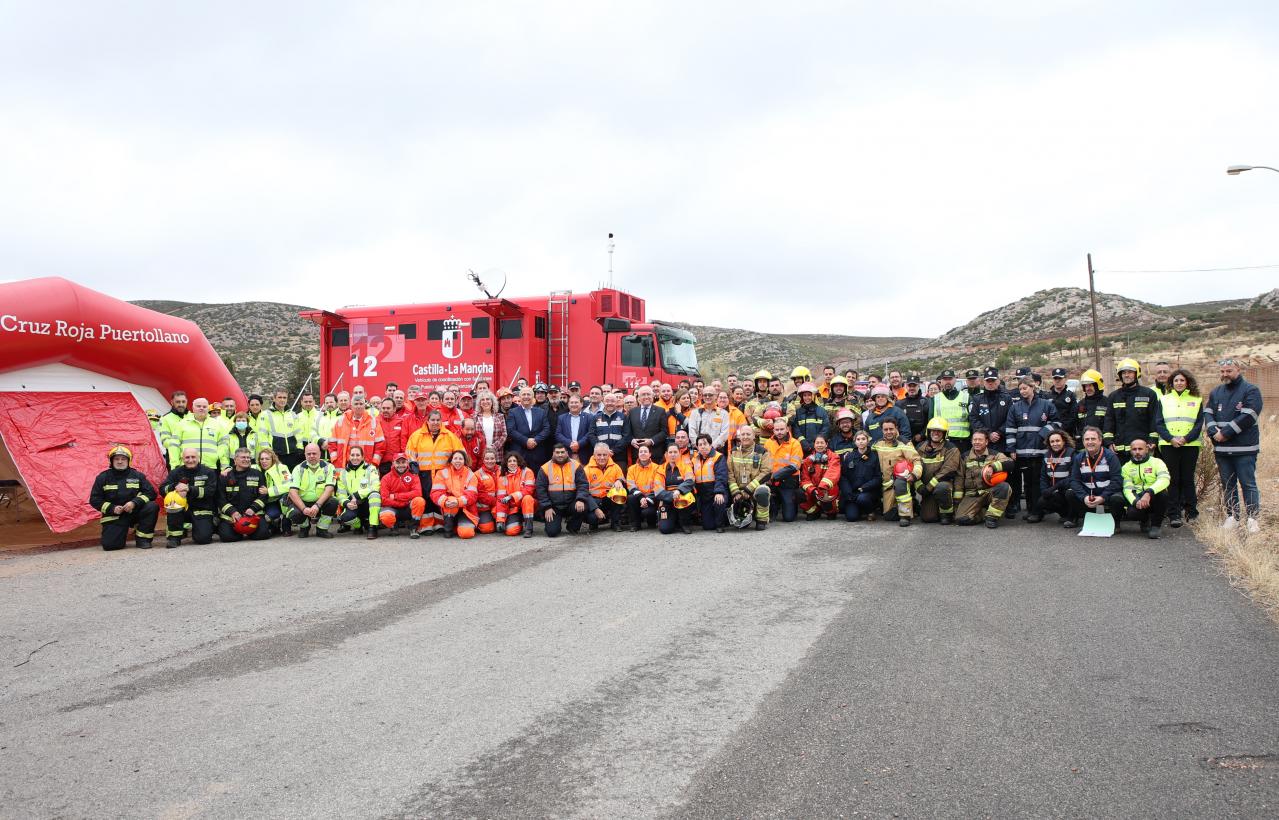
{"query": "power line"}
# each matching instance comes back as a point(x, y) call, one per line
point(1194, 270)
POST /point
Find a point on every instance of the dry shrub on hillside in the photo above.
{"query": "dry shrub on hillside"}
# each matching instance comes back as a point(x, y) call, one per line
point(1250, 561)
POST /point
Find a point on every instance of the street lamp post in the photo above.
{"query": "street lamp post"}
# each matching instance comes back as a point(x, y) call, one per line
point(1236, 170)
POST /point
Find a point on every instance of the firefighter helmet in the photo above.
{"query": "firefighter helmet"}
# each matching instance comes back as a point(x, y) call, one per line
point(119, 450)
point(617, 494)
point(990, 476)
point(801, 372)
point(246, 524)
point(741, 512)
point(683, 500)
point(938, 423)
point(1092, 376)
point(174, 501)
point(762, 374)
point(904, 469)
point(1129, 364)
point(844, 413)
point(881, 389)
point(839, 380)
point(806, 387)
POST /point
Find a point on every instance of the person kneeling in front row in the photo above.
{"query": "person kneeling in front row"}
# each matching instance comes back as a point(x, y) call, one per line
point(1145, 496)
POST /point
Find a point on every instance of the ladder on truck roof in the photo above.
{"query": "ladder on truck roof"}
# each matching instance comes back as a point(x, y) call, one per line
point(557, 338)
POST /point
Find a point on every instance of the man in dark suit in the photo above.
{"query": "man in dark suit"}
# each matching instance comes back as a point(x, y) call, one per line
point(645, 424)
point(573, 430)
point(528, 430)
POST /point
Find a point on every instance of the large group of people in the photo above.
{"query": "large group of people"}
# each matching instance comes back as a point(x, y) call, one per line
point(737, 453)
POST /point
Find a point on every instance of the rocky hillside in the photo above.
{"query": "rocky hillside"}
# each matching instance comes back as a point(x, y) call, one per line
point(721, 350)
point(1050, 314)
point(261, 342)
point(1266, 301)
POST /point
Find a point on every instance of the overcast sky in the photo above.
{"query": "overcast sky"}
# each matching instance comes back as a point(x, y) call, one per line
point(809, 167)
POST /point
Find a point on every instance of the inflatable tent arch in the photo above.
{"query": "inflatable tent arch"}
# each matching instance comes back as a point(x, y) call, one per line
point(77, 371)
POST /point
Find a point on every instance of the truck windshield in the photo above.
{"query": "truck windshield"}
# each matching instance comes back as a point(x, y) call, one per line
point(678, 351)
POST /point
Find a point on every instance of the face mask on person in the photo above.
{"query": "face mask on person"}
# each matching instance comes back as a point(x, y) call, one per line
point(242, 426)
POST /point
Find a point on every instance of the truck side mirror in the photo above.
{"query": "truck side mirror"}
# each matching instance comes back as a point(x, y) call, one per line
point(611, 325)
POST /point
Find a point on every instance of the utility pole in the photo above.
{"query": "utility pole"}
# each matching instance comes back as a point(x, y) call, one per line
point(610, 259)
point(1092, 297)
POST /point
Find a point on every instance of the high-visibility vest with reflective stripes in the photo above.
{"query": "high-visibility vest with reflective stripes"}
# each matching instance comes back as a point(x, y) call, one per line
point(645, 479)
point(704, 469)
point(360, 483)
point(789, 453)
point(432, 452)
point(600, 479)
point(278, 479)
point(1180, 411)
point(560, 477)
point(304, 429)
point(203, 436)
point(310, 482)
point(954, 411)
point(325, 423)
point(279, 424)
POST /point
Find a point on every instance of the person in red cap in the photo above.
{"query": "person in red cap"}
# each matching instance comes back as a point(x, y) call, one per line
point(403, 502)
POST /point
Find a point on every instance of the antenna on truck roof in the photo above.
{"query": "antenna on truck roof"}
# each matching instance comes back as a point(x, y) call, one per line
point(479, 282)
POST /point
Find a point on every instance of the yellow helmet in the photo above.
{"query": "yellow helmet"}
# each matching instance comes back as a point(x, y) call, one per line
point(839, 380)
point(1094, 377)
point(617, 494)
point(801, 372)
point(762, 374)
point(119, 450)
point(1129, 364)
point(938, 423)
point(683, 500)
point(174, 501)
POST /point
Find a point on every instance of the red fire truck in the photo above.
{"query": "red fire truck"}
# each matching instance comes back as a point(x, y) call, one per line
point(595, 337)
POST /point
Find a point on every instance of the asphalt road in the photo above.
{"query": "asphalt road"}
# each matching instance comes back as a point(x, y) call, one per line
point(814, 670)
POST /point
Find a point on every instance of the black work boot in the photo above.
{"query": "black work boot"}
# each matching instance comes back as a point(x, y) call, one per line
point(450, 524)
point(947, 518)
point(992, 522)
point(528, 526)
point(173, 542)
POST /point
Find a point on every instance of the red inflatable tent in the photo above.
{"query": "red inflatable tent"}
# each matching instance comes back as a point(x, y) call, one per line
point(77, 371)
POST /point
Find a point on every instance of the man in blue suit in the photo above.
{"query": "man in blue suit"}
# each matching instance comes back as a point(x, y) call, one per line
point(528, 430)
point(573, 429)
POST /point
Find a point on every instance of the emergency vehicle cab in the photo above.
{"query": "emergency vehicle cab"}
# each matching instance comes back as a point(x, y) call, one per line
point(595, 337)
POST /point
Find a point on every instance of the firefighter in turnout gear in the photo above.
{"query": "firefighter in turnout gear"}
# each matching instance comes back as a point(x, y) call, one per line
point(125, 499)
point(242, 492)
point(941, 460)
point(819, 482)
point(897, 481)
point(750, 469)
point(839, 398)
point(1093, 408)
point(197, 485)
point(1132, 410)
point(979, 494)
point(809, 419)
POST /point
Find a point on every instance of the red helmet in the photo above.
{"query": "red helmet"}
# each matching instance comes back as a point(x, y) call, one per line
point(246, 524)
point(772, 413)
point(990, 476)
point(904, 469)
